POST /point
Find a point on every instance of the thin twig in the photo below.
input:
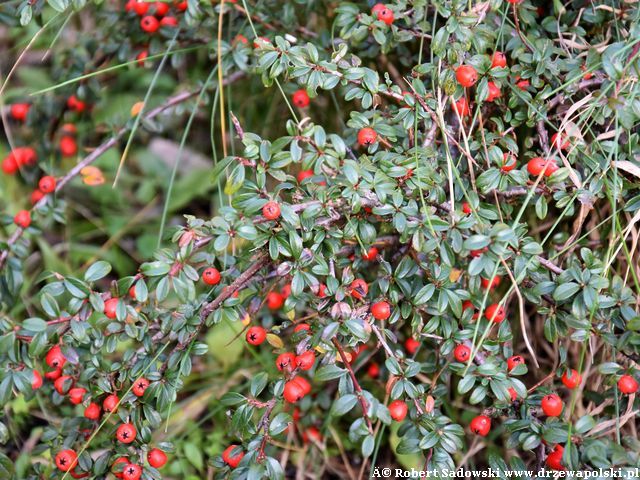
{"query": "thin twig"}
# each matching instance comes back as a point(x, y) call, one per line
point(356, 385)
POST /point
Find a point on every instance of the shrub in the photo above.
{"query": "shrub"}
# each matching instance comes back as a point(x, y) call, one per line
point(419, 222)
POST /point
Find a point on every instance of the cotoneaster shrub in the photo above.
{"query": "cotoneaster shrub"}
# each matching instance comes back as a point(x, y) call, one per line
point(425, 239)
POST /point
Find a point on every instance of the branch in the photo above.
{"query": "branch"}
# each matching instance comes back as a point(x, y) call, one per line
point(356, 385)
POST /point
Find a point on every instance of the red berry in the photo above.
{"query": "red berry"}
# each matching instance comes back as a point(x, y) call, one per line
point(359, 288)
point(494, 92)
point(36, 196)
point(54, 374)
point(587, 75)
point(110, 403)
point(322, 291)
point(68, 146)
point(285, 360)
point(69, 129)
point(461, 107)
point(162, 9)
point(19, 111)
point(383, 13)
point(303, 383)
point(141, 7)
point(66, 460)
point(156, 458)
point(110, 307)
point(522, 84)
point(141, 57)
point(300, 98)
point(374, 370)
point(55, 358)
point(305, 360)
point(476, 254)
point(398, 410)
point(47, 184)
point(461, 353)
point(311, 434)
point(627, 385)
point(495, 313)
point(275, 300)
point(36, 380)
point(554, 459)
point(509, 162)
point(232, 460)
point(370, 254)
point(256, 335)
point(211, 276)
point(367, 136)
point(24, 156)
point(92, 412)
point(381, 310)
point(286, 291)
point(481, 425)
point(126, 433)
point(169, 21)
point(466, 208)
point(132, 472)
point(140, 386)
point(271, 210)
point(493, 283)
point(182, 6)
point(538, 165)
point(293, 391)
point(513, 394)
point(149, 24)
point(9, 164)
point(466, 75)
point(411, 345)
point(571, 379)
point(560, 142)
point(302, 327)
point(498, 59)
point(304, 174)
point(76, 395)
point(63, 384)
point(22, 218)
point(468, 304)
point(552, 405)
point(514, 361)
point(75, 104)
point(115, 466)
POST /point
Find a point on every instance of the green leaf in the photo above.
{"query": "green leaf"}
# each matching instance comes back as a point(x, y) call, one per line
point(329, 372)
point(566, 291)
point(34, 325)
point(344, 404)
point(584, 424)
point(97, 271)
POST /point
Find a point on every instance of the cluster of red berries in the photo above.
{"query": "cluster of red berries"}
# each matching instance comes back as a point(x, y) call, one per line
point(551, 404)
point(467, 77)
point(68, 145)
point(67, 460)
point(151, 12)
point(19, 157)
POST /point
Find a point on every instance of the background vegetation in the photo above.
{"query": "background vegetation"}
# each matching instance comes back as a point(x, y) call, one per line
point(167, 128)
